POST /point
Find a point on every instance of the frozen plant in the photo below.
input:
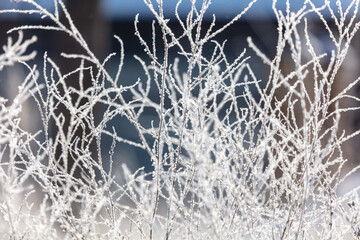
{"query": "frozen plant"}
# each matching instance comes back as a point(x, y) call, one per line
point(221, 170)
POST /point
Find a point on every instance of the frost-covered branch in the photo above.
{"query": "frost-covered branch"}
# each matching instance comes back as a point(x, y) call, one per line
point(225, 164)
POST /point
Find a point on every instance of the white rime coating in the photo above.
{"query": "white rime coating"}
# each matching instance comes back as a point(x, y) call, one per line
point(233, 156)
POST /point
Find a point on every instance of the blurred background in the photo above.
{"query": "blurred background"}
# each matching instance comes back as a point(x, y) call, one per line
point(99, 20)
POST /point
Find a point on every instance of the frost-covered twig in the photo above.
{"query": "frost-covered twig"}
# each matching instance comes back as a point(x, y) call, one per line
point(226, 164)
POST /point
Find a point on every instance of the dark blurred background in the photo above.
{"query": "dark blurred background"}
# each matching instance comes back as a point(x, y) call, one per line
point(99, 20)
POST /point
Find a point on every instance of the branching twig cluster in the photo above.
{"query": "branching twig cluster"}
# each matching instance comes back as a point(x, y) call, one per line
point(221, 170)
